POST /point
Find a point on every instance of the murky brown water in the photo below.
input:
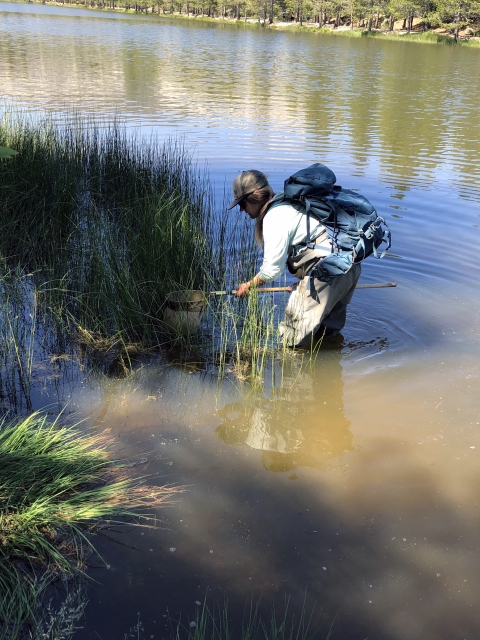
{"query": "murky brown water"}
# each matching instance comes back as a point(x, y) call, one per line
point(357, 480)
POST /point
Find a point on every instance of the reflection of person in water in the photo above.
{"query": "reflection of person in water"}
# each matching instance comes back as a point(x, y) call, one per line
point(305, 426)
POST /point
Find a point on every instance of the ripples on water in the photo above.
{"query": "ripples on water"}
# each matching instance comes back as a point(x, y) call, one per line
point(398, 120)
point(382, 433)
point(406, 114)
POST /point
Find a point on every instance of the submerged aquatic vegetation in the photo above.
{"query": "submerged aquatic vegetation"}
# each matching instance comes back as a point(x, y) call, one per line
point(56, 487)
point(60, 622)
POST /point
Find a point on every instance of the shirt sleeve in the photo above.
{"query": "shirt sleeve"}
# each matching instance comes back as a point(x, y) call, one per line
point(277, 236)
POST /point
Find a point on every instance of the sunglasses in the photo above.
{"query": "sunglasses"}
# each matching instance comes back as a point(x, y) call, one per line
point(241, 204)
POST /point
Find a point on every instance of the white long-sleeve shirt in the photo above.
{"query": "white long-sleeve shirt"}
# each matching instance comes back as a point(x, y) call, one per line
point(283, 228)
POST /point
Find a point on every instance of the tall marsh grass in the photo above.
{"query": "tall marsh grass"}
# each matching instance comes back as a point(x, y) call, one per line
point(108, 221)
point(56, 487)
point(19, 338)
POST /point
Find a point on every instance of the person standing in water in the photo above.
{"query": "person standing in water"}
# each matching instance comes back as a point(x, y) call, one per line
point(314, 307)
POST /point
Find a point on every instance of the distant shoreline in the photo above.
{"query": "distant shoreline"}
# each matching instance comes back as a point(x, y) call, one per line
point(431, 36)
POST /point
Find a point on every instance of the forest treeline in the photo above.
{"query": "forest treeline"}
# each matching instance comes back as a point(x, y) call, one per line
point(453, 15)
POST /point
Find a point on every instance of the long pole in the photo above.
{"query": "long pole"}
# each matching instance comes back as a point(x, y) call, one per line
point(377, 285)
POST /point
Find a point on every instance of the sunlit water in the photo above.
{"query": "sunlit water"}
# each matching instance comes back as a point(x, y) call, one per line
point(357, 480)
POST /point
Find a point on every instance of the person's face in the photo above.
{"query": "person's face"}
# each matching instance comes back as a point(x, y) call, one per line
point(251, 209)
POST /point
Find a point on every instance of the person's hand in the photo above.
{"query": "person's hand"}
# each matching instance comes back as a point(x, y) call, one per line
point(243, 289)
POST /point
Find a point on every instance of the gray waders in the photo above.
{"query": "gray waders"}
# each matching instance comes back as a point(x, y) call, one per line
point(315, 305)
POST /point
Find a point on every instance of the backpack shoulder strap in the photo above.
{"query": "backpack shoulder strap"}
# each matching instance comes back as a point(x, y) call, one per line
point(301, 204)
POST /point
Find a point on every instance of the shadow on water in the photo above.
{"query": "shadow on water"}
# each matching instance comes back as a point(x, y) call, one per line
point(286, 492)
point(373, 585)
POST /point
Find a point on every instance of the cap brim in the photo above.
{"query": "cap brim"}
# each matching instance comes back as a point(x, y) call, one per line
point(235, 202)
point(240, 199)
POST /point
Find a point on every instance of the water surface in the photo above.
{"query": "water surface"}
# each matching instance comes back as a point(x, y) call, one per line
point(356, 480)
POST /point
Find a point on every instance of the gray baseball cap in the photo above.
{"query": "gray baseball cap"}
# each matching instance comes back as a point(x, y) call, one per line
point(245, 184)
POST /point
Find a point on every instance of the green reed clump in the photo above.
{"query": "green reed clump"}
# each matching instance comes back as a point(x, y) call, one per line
point(56, 485)
point(246, 335)
point(109, 221)
point(214, 622)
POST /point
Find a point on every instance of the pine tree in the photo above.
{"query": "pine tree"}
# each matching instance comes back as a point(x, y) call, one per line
point(454, 14)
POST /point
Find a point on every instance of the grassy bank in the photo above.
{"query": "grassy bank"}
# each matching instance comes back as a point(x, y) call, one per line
point(56, 487)
point(425, 37)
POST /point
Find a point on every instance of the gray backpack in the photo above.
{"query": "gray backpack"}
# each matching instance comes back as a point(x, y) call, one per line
point(352, 223)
